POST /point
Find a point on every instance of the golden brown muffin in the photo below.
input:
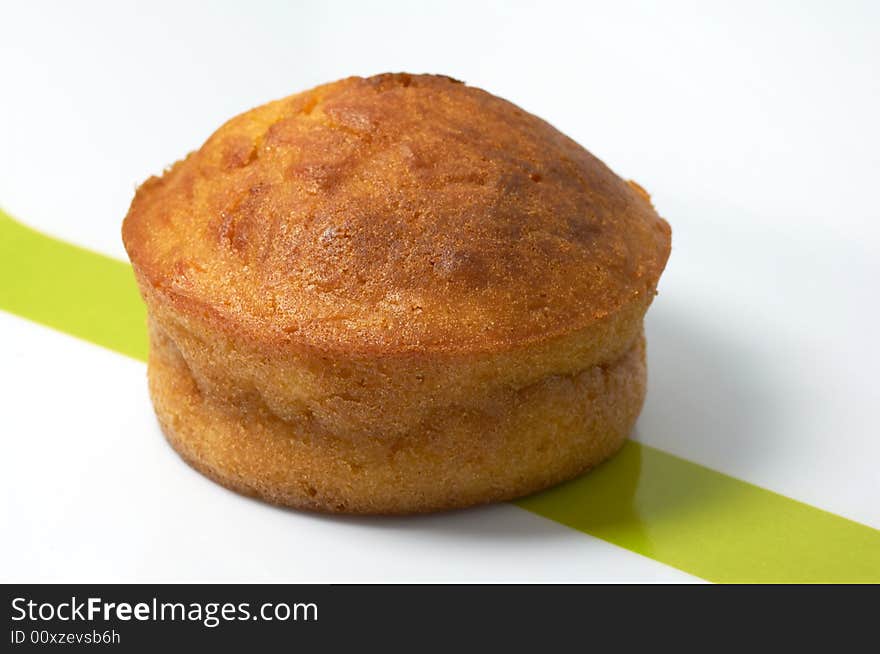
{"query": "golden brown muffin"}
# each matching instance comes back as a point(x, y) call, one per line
point(394, 294)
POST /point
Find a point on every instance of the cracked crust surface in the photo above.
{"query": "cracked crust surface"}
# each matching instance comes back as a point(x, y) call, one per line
point(394, 294)
point(392, 214)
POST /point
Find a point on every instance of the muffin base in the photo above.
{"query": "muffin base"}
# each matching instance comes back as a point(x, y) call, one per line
point(522, 441)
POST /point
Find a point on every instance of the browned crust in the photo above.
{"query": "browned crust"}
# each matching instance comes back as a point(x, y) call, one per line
point(530, 439)
point(396, 216)
point(393, 295)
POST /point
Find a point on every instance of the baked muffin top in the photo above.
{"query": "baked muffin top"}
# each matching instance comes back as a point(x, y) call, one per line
point(395, 213)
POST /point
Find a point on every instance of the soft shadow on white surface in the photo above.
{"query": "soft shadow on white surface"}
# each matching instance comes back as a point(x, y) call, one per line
point(707, 391)
point(476, 523)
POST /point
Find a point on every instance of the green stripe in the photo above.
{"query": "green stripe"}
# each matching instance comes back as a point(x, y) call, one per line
point(71, 289)
point(709, 524)
point(671, 510)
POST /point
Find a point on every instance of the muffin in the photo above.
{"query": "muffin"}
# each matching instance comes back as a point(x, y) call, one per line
point(392, 295)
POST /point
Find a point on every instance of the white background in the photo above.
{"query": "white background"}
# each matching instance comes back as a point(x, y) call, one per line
point(754, 127)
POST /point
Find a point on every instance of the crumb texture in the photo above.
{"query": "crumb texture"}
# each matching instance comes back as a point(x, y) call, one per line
point(526, 440)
